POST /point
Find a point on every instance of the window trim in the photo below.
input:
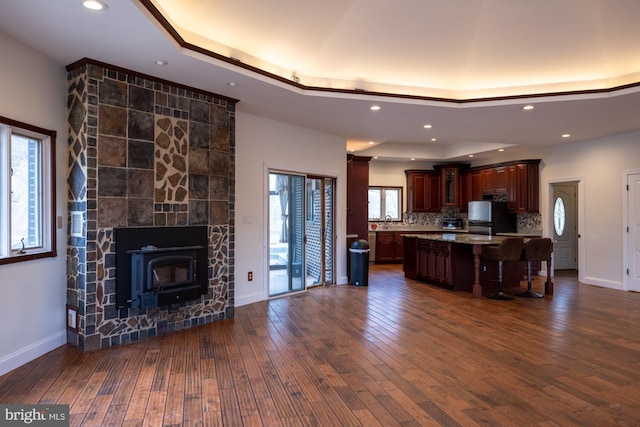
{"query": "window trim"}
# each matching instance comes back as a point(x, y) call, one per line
point(49, 248)
point(382, 189)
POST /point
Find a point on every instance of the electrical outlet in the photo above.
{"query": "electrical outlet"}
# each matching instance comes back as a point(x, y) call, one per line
point(250, 276)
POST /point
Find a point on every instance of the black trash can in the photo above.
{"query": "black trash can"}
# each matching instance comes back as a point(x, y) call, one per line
point(359, 263)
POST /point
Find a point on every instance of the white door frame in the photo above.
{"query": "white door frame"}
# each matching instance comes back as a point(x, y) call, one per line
point(625, 226)
point(548, 219)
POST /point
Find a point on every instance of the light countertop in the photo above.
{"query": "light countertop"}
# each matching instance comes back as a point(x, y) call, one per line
point(466, 238)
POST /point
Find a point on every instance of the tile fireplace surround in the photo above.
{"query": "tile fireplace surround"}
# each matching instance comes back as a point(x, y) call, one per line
point(144, 153)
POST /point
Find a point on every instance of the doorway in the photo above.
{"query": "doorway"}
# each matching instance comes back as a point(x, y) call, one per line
point(565, 226)
point(301, 232)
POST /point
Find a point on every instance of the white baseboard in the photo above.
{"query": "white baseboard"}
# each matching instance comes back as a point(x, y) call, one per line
point(587, 280)
point(32, 351)
point(249, 299)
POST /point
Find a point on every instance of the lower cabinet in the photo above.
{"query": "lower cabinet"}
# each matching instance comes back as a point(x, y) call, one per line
point(434, 262)
point(389, 246)
point(440, 263)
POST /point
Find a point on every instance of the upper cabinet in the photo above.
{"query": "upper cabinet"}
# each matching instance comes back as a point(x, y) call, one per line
point(519, 181)
point(527, 186)
point(423, 191)
point(494, 180)
point(457, 184)
point(453, 185)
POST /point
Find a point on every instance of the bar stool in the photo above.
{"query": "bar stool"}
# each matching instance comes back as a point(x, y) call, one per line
point(510, 249)
point(536, 249)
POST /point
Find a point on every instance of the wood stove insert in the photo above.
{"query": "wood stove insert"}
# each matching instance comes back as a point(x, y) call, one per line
point(159, 266)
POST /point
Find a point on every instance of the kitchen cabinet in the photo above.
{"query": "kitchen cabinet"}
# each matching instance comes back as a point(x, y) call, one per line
point(423, 191)
point(494, 180)
point(358, 195)
point(388, 247)
point(523, 186)
point(518, 180)
point(432, 261)
point(452, 184)
point(528, 186)
point(476, 185)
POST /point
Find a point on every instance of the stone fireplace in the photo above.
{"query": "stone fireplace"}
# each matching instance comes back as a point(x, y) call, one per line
point(145, 153)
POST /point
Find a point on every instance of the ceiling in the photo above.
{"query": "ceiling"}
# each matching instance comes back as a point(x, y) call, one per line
point(466, 67)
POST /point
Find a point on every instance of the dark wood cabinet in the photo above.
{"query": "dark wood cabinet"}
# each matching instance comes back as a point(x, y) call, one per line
point(452, 184)
point(522, 186)
point(423, 191)
point(358, 195)
point(519, 181)
point(432, 261)
point(488, 180)
point(477, 185)
point(528, 186)
point(389, 246)
point(494, 180)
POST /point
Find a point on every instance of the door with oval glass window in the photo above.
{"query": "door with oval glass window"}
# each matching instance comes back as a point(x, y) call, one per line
point(565, 226)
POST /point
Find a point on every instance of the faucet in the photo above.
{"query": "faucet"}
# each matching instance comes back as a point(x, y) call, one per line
point(386, 225)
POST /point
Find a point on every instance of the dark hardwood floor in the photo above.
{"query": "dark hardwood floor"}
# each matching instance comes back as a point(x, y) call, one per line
point(395, 353)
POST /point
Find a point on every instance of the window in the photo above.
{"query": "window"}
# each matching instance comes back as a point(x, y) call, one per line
point(385, 202)
point(27, 192)
point(559, 216)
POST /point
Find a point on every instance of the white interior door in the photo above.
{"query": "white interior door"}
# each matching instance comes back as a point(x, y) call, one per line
point(633, 182)
point(565, 226)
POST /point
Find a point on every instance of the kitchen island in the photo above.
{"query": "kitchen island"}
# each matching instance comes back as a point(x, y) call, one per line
point(453, 261)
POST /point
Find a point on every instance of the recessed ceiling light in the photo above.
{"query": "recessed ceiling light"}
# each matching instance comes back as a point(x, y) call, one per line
point(434, 139)
point(470, 155)
point(160, 62)
point(501, 149)
point(528, 107)
point(428, 126)
point(95, 5)
point(232, 84)
point(371, 142)
point(375, 107)
point(413, 158)
point(375, 157)
point(566, 135)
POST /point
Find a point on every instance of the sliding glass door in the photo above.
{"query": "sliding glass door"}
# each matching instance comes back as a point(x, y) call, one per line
point(301, 232)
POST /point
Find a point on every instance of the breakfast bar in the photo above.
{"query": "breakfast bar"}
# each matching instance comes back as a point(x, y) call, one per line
point(453, 261)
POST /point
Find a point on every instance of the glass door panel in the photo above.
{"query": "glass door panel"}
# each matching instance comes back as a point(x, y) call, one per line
point(329, 231)
point(320, 231)
point(286, 233)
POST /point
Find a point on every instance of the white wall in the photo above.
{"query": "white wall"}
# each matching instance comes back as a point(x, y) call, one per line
point(599, 166)
point(33, 293)
point(263, 144)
